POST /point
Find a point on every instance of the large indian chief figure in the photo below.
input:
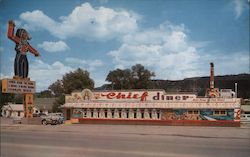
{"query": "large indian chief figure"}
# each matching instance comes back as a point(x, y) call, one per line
point(21, 64)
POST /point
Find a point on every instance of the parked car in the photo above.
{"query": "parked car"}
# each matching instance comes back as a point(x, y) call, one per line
point(41, 114)
point(60, 115)
point(245, 118)
point(52, 118)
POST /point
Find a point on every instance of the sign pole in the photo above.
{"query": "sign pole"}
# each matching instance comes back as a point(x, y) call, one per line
point(28, 105)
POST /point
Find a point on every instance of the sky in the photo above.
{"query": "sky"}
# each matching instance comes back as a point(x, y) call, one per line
point(173, 39)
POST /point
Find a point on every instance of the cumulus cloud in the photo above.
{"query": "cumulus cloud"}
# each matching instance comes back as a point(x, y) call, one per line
point(227, 64)
point(2, 76)
point(85, 22)
point(238, 7)
point(51, 46)
point(171, 54)
point(45, 74)
point(75, 61)
point(90, 65)
point(165, 50)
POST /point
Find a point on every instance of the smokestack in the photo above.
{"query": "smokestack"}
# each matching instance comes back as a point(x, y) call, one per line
point(211, 75)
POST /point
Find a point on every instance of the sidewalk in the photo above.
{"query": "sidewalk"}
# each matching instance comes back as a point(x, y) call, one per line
point(6, 121)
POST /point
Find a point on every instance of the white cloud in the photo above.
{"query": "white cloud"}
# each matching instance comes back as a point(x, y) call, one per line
point(95, 63)
point(85, 22)
point(89, 65)
point(164, 50)
point(233, 63)
point(2, 76)
point(168, 51)
point(75, 61)
point(45, 74)
point(51, 46)
point(238, 7)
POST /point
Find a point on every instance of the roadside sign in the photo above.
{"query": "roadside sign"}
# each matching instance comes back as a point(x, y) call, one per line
point(18, 86)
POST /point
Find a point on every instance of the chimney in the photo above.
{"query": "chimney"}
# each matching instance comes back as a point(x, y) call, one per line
point(211, 75)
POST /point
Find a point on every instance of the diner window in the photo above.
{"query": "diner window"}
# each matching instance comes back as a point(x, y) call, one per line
point(193, 112)
point(196, 112)
point(158, 115)
point(220, 113)
point(223, 112)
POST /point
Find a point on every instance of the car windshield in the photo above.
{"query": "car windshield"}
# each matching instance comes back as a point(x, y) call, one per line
point(56, 114)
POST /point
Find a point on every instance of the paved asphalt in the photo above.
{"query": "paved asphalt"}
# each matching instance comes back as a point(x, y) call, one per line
point(123, 141)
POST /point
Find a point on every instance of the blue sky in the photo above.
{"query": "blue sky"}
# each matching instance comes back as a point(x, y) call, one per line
point(174, 39)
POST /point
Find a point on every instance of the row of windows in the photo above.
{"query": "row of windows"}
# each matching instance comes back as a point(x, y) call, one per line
point(220, 112)
point(193, 112)
point(216, 112)
point(119, 114)
point(135, 113)
point(18, 113)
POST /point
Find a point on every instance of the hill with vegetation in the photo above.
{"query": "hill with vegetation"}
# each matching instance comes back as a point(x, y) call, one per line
point(200, 84)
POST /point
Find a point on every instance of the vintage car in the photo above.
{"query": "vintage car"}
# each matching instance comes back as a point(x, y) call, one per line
point(52, 118)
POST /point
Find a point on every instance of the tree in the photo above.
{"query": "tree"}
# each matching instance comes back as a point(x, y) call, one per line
point(45, 94)
point(77, 80)
point(141, 77)
point(136, 78)
point(5, 97)
point(17, 99)
point(57, 88)
point(120, 79)
point(58, 102)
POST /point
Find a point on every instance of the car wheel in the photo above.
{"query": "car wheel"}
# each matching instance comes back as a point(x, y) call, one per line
point(44, 122)
point(53, 122)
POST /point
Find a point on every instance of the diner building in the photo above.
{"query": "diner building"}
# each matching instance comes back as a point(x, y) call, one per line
point(150, 107)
